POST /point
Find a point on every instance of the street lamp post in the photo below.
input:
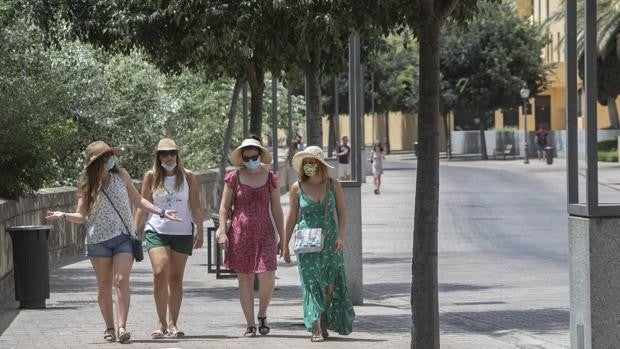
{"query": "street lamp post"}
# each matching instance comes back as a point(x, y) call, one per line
point(525, 94)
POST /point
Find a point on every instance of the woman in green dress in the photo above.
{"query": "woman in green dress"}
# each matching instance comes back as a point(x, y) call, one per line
point(326, 301)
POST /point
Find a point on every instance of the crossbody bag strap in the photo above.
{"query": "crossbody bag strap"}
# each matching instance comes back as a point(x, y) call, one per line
point(118, 213)
point(325, 199)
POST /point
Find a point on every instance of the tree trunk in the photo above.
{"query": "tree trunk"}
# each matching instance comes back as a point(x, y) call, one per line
point(424, 298)
point(613, 113)
point(314, 128)
point(388, 148)
point(256, 79)
point(446, 129)
point(483, 141)
point(232, 111)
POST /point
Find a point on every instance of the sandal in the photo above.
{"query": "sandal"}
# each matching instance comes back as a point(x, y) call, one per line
point(123, 335)
point(158, 334)
point(250, 332)
point(317, 338)
point(176, 333)
point(262, 328)
point(108, 335)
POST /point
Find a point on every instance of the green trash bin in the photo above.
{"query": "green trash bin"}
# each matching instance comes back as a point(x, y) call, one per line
point(31, 265)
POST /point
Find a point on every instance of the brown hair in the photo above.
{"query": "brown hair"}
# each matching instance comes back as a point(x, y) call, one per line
point(159, 174)
point(91, 181)
point(323, 172)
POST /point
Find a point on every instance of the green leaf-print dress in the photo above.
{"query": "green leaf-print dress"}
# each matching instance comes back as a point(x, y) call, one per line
point(319, 269)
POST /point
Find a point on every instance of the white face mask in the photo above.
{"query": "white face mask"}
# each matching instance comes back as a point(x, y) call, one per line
point(252, 164)
point(109, 164)
point(168, 167)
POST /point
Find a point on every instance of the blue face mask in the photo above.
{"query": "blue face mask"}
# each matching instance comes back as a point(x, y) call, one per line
point(168, 167)
point(252, 164)
point(109, 164)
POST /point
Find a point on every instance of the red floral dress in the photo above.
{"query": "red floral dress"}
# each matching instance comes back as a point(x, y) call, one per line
point(252, 244)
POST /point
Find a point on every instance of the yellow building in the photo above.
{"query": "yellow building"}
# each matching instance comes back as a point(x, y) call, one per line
point(549, 106)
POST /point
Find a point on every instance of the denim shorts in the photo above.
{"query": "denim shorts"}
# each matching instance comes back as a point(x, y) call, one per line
point(108, 248)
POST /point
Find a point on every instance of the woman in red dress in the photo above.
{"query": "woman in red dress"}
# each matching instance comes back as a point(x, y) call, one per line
point(250, 242)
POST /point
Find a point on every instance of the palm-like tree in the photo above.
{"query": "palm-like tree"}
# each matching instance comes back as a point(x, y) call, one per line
point(607, 22)
point(608, 47)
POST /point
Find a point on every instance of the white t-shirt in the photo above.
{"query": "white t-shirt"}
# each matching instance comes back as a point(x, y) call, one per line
point(170, 199)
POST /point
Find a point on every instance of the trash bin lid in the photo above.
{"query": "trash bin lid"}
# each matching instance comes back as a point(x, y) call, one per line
point(29, 227)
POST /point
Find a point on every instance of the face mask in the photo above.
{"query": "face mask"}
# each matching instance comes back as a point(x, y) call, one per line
point(168, 167)
point(311, 169)
point(252, 164)
point(109, 163)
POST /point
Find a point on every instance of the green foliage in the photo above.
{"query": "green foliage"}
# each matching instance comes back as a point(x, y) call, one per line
point(608, 156)
point(608, 150)
point(32, 115)
point(485, 62)
point(608, 145)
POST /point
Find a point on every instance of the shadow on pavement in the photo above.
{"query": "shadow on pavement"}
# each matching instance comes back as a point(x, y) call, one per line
point(531, 320)
point(384, 324)
point(464, 287)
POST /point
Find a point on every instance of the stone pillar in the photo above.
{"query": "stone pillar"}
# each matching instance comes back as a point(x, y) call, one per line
point(594, 249)
point(353, 243)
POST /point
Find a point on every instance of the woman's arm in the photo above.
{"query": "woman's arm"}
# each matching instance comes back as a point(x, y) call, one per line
point(291, 220)
point(278, 217)
point(225, 207)
point(342, 215)
point(140, 217)
point(196, 208)
point(140, 202)
point(77, 217)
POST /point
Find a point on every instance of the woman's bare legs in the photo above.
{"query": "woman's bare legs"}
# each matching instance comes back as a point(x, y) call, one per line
point(122, 267)
point(160, 260)
point(103, 272)
point(246, 297)
point(175, 287)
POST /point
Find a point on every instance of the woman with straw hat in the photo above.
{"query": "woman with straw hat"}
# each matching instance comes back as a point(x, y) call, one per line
point(313, 199)
point(104, 196)
point(168, 184)
point(250, 242)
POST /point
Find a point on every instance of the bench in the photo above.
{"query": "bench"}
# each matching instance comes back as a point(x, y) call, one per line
point(507, 151)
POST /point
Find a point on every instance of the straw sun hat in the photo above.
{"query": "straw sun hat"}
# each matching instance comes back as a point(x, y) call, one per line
point(98, 148)
point(166, 144)
point(237, 160)
point(310, 152)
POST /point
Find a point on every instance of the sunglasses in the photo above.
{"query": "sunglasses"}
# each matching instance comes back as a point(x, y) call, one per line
point(165, 153)
point(252, 158)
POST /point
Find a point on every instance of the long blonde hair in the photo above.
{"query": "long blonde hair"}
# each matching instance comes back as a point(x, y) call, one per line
point(159, 174)
point(91, 182)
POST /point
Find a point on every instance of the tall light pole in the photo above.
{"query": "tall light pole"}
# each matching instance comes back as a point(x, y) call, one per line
point(525, 94)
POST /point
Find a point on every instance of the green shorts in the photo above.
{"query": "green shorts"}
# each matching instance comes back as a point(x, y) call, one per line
point(179, 243)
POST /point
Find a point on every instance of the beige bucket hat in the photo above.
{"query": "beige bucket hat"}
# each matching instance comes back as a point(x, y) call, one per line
point(98, 148)
point(310, 152)
point(237, 160)
point(166, 144)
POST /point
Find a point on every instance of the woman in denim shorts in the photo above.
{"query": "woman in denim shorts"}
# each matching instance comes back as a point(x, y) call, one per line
point(169, 243)
point(104, 196)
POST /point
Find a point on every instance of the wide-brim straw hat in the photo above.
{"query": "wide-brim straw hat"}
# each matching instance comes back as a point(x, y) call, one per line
point(237, 160)
point(98, 148)
point(310, 152)
point(166, 144)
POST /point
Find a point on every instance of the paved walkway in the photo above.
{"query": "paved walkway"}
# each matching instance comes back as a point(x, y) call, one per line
point(212, 318)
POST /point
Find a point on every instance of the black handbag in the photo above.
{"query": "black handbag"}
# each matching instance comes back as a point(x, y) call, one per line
point(136, 243)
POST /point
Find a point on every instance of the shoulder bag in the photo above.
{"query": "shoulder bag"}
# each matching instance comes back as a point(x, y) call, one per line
point(136, 243)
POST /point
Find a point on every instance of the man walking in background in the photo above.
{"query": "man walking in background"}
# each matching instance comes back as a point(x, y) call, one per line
point(344, 155)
